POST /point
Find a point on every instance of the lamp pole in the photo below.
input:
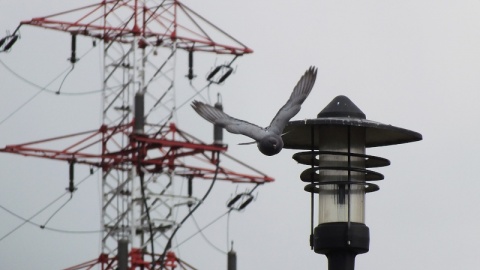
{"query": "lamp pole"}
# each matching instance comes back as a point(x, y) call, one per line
point(335, 144)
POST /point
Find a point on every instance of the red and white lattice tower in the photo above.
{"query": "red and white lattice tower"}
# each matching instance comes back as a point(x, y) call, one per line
point(143, 153)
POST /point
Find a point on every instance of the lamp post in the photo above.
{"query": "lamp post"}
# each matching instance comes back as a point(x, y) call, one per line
point(339, 173)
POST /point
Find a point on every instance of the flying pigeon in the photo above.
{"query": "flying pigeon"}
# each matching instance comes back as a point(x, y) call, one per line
point(269, 140)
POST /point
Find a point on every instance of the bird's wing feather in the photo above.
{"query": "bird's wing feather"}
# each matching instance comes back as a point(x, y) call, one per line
point(231, 124)
point(292, 107)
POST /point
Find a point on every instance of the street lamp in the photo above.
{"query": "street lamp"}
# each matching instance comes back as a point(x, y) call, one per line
point(335, 142)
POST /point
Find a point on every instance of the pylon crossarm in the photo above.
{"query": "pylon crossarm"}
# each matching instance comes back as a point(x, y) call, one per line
point(170, 24)
point(158, 153)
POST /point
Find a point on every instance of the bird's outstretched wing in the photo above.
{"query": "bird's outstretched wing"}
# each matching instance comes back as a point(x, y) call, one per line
point(231, 124)
point(292, 107)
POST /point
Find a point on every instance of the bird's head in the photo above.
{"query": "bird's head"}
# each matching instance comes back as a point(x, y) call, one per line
point(270, 145)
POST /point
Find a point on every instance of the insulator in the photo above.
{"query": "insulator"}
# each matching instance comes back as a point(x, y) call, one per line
point(245, 203)
point(139, 123)
point(217, 129)
point(2, 41)
point(225, 76)
point(190, 186)
point(10, 43)
point(232, 260)
point(213, 73)
point(71, 186)
point(71, 171)
point(234, 200)
point(122, 254)
point(73, 57)
point(190, 190)
point(190, 75)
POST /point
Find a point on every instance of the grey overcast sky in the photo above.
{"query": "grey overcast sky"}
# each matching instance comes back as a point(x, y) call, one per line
point(414, 64)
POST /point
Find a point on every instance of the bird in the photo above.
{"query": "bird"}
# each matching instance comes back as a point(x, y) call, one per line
point(269, 140)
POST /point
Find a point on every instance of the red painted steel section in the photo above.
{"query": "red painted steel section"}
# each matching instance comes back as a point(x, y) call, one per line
point(164, 151)
point(159, 25)
point(158, 152)
point(136, 261)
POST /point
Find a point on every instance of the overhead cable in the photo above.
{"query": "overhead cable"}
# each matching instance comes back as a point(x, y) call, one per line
point(205, 238)
point(29, 220)
point(44, 88)
point(169, 243)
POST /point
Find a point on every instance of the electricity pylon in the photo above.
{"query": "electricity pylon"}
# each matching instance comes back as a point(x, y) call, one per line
point(143, 152)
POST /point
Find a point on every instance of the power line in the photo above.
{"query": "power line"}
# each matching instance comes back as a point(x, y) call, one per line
point(147, 210)
point(29, 220)
point(228, 230)
point(203, 228)
point(197, 92)
point(205, 238)
point(44, 88)
point(41, 226)
point(20, 107)
point(31, 98)
point(215, 220)
point(169, 243)
point(64, 78)
point(54, 213)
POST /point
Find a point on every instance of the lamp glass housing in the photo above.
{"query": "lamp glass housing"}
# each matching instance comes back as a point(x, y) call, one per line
point(334, 198)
